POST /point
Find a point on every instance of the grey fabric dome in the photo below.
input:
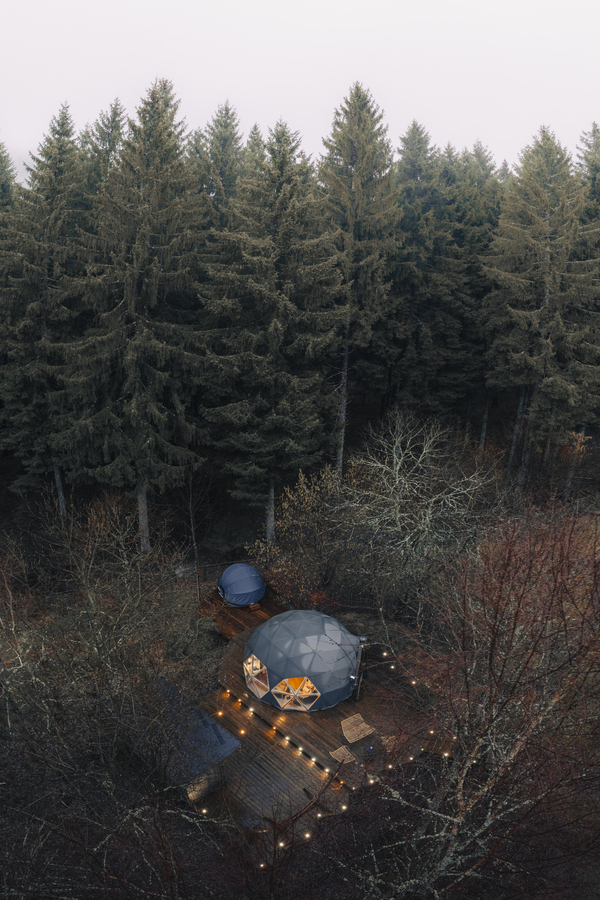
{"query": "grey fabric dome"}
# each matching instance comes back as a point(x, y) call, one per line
point(301, 660)
point(242, 585)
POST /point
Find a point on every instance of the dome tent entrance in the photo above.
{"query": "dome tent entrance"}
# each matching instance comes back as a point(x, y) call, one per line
point(241, 585)
point(302, 660)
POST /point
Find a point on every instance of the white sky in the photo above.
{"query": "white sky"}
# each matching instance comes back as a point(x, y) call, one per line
point(465, 69)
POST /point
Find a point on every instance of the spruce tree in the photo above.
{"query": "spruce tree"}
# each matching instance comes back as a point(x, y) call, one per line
point(135, 367)
point(446, 219)
point(542, 316)
point(361, 205)
point(588, 159)
point(101, 145)
point(214, 155)
point(588, 169)
point(42, 260)
point(7, 181)
point(253, 153)
point(483, 193)
point(272, 316)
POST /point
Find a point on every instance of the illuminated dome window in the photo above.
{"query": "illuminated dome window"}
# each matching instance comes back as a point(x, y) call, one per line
point(296, 693)
point(256, 676)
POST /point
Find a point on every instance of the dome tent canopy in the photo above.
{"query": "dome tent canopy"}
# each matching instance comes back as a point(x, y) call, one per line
point(302, 660)
point(242, 585)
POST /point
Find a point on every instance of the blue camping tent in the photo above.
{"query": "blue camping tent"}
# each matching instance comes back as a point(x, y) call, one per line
point(241, 585)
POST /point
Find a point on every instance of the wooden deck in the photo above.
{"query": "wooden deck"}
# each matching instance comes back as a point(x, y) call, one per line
point(232, 620)
point(317, 733)
point(285, 761)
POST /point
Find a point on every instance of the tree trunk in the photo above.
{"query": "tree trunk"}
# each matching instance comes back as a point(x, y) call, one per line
point(517, 432)
point(193, 534)
point(575, 456)
point(142, 499)
point(271, 515)
point(343, 412)
point(62, 506)
point(524, 467)
point(483, 434)
point(548, 449)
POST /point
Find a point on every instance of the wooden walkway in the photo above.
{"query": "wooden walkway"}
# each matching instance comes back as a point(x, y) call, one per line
point(232, 620)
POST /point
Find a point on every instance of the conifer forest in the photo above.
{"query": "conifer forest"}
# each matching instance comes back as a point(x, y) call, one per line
point(376, 376)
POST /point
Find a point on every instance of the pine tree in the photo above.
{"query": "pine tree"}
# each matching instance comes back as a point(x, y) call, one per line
point(361, 203)
point(135, 367)
point(215, 156)
point(543, 315)
point(446, 219)
point(101, 145)
point(272, 317)
point(253, 153)
point(588, 159)
point(418, 276)
point(484, 191)
point(588, 169)
point(42, 260)
point(7, 181)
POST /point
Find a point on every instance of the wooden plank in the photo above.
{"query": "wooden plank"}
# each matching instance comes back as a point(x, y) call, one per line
point(232, 620)
point(269, 778)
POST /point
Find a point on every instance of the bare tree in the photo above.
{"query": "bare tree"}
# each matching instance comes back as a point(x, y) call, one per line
point(89, 806)
point(411, 499)
point(509, 797)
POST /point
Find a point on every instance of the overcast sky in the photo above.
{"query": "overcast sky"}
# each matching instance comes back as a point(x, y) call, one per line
point(467, 70)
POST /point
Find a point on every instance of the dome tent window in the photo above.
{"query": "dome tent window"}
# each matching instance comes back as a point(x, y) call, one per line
point(241, 585)
point(310, 658)
point(256, 676)
point(296, 693)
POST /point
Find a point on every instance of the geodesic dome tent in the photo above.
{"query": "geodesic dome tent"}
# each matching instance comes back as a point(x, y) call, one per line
point(301, 660)
point(241, 585)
